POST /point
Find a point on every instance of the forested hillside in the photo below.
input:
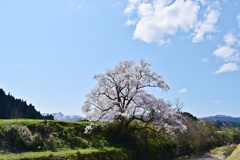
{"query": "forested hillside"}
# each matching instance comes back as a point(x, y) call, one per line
point(222, 118)
point(10, 107)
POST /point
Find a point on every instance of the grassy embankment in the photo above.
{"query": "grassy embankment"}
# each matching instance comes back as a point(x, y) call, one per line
point(234, 153)
point(42, 139)
point(112, 153)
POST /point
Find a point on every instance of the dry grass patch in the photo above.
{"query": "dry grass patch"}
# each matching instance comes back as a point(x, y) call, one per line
point(235, 154)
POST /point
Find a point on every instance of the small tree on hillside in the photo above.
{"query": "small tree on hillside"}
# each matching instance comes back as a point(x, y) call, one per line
point(120, 95)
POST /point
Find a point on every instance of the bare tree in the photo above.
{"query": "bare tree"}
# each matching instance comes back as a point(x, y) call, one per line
point(178, 104)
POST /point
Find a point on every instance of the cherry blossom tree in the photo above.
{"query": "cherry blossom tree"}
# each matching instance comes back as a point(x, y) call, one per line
point(121, 95)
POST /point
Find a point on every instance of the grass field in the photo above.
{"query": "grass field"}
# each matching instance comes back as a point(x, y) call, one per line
point(19, 120)
point(59, 153)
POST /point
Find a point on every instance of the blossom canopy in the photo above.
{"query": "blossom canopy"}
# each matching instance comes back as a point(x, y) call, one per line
point(120, 95)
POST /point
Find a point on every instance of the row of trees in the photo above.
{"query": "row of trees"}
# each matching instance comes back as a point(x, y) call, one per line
point(11, 107)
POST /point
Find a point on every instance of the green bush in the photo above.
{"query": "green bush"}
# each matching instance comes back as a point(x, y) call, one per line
point(37, 143)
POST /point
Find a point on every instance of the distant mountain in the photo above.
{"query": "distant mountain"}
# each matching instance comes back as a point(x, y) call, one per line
point(11, 107)
point(70, 118)
point(222, 118)
point(226, 124)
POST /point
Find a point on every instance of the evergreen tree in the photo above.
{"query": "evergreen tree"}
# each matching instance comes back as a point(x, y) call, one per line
point(11, 107)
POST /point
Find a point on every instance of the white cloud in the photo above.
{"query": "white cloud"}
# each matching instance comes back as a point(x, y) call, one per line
point(158, 19)
point(131, 6)
point(228, 52)
point(205, 60)
point(224, 52)
point(206, 26)
point(183, 90)
point(238, 19)
point(203, 2)
point(235, 58)
point(130, 22)
point(1, 85)
point(228, 67)
point(79, 6)
point(230, 39)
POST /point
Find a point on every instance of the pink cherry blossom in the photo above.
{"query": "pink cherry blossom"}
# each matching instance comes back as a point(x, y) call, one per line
point(120, 95)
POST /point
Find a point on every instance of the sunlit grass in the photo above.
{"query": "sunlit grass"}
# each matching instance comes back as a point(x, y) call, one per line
point(235, 154)
point(218, 152)
point(62, 151)
point(22, 120)
point(31, 155)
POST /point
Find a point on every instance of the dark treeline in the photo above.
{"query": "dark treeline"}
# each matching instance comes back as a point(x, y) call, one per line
point(11, 107)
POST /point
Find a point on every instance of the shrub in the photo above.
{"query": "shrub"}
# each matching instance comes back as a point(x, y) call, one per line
point(37, 143)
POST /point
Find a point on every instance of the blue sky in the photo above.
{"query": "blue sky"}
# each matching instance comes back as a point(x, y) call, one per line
point(50, 50)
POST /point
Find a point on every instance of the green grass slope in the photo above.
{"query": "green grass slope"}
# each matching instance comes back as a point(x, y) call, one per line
point(90, 153)
point(47, 139)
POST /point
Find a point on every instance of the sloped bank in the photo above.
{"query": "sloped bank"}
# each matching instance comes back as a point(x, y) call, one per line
point(232, 153)
point(235, 154)
point(60, 140)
